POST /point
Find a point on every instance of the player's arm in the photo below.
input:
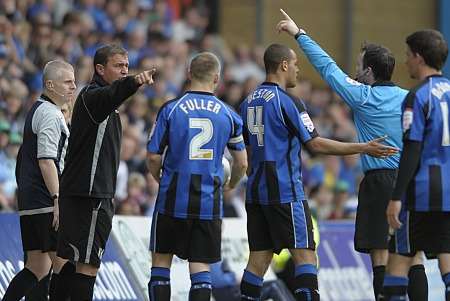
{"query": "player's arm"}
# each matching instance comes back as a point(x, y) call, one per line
point(154, 163)
point(236, 146)
point(239, 166)
point(413, 121)
point(249, 159)
point(157, 143)
point(331, 147)
point(351, 91)
point(100, 102)
point(48, 133)
point(300, 125)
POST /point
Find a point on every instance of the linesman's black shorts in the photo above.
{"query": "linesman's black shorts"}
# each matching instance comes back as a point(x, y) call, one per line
point(375, 191)
point(195, 240)
point(38, 233)
point(422, 231)
point(280, 226)
point(84, 228)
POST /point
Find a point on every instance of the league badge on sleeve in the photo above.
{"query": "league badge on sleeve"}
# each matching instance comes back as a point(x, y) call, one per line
point(407, 119)
point(307, 122)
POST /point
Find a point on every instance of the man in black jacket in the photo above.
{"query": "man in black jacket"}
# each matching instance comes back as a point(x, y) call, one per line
point(89, 179)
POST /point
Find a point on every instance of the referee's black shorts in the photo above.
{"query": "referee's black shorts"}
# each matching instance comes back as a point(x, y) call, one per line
point(84, 228)
point(372, 229)
point(38, 233)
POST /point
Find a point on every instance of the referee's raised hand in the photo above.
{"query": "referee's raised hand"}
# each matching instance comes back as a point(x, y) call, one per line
point(145, 77)
point(287, 24)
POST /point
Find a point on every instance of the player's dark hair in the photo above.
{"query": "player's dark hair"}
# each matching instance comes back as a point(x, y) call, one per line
point(105, 52)
point(380, 59)
point(431, 45)
point(274, 55)
point(204, 66)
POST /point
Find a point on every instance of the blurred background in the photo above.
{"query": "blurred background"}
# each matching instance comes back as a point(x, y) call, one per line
point(165, 34)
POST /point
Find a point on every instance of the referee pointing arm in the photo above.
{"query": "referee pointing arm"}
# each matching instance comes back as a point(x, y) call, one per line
point(89, 180)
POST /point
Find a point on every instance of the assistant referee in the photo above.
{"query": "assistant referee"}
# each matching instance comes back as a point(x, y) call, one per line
point(88, 182)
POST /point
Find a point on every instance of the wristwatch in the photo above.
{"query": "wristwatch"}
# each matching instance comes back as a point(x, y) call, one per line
point(299, 33)
point(55, 196)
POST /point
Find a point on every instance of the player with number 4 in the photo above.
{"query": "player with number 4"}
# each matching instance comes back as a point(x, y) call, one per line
point(192, 132)
point(278, 216)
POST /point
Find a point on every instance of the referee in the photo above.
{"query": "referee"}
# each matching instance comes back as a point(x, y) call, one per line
point(376, 105)
point(89, 180)
point(39, 164)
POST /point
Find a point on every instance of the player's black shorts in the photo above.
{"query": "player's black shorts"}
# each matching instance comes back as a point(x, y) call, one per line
point(195, 240)
point(422, 231)
point(280, 226)
point(38, 233)
point(85, 224)
point(372, 229)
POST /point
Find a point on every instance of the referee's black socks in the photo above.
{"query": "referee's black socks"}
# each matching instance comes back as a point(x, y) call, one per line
point(82, 287)
point(200, 286)
point(306, 284)
point(20, 285)
point(159, 285)
point(251, 286)
point(378, 277)
point(60, 284)
point(446, 279)
point(418, 283)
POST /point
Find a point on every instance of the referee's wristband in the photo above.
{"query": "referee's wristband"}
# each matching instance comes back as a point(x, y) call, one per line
point(299, 33)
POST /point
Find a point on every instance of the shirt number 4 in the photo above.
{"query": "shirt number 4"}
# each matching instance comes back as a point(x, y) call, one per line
point(255, 123)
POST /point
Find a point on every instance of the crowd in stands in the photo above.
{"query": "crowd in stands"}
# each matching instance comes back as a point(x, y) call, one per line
point(161, 34)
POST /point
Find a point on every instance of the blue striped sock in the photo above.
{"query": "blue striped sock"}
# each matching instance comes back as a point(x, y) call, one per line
point(251, 286)
point(159, 285)
point(200, 286)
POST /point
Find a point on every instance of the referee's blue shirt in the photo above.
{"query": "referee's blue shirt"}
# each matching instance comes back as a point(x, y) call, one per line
point(376, 109)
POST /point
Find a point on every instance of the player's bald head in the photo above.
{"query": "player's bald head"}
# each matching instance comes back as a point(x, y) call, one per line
point(53, 70)
point(274, 55)
point(204, 67)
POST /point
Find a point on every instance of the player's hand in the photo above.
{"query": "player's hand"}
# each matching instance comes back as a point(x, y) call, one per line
point(375, 149)
point(287, 24)
point(55, 223)
point(392, 213)
point(145, 77)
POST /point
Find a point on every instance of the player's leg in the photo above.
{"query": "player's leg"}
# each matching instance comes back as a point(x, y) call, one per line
point(201, 287)
point(379, 259)
point(395, 283)
point(60, 278)
point(371, 228)
point(169, 236)
point(37, 266)
point(85, 225)
point(159, 284)
point(302, 248)
point(418, 283)
point(253, 277)
point(261, 252)
point(35, 231)
point(306, 284)
point(441, 225)
point(402, 251)
point(203, 233)
point(444, 267)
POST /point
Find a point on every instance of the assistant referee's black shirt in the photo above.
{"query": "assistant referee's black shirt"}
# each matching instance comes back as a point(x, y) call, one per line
point(94, 145)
